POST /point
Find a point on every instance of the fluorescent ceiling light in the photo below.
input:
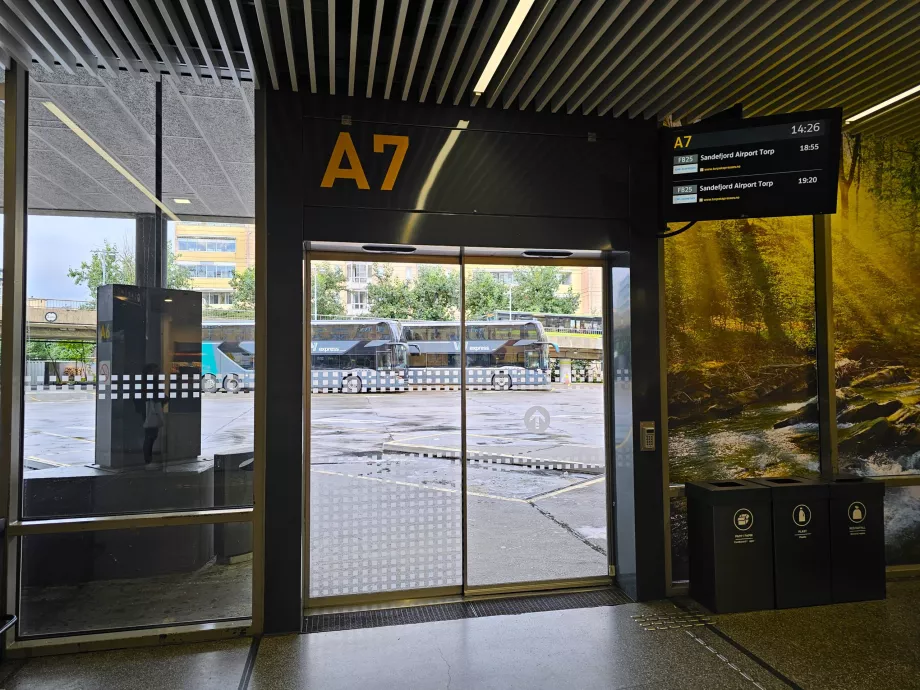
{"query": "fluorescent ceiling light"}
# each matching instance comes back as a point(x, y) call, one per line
point(514, 25)
point(89, 141)
point(181, 201)
point(884, 104)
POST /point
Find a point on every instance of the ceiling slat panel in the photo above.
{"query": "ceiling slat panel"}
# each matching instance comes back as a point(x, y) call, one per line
point(467, 23)
point(534, 21)
point(397, 41)
point(129, 28)
point(21, 33)
point(566, 68)
point(852, 63)
point(62, 28)
point(375, 45)
point(785, 72)
point(634, 32)
point(489, 22)
point(780, 49)
point(645, 76)
point(267, 47)
point(289, 43)
point(174, 26)
point(446, 20)
point(416, 47)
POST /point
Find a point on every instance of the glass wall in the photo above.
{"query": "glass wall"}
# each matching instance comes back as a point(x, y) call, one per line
point(877, 320)
point(385, 491)
point(138, 381)
point(536, 452)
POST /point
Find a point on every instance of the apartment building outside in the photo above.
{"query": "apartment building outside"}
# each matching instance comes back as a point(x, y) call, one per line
point(213, 252)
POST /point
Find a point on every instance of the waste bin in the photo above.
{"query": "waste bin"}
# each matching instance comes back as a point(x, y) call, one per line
point(730, 537)
point(857, 539)
point(801, 541)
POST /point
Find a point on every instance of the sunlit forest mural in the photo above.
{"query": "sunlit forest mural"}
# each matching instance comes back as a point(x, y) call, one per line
point(740, 338)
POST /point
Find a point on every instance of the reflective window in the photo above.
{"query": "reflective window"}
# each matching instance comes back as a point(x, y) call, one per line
point(206, 244)
point(209, 270)
point(134, 578)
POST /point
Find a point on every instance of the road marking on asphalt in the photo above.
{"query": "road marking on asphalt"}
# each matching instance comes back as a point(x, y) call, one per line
point(565, 489)
point(418, 486)
point(69, 438)
point(47, 462)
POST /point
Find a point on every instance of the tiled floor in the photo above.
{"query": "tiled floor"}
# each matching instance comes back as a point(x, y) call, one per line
point(866, 646)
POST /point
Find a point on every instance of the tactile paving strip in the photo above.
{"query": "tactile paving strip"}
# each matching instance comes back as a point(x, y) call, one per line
point(329, 622)
point(670, 621)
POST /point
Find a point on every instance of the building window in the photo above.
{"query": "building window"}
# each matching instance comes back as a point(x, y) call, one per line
point(504, 277)
point(214, 298)
point(209, 270)
point(358, 272)
point(566, 278)
point(207, 244)
point(357, 300)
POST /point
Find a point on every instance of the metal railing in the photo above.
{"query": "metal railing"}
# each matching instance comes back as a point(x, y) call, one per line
point(42, 303)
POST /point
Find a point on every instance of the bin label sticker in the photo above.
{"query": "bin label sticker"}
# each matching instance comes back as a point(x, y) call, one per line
point(744, 519)
point(801, 515)
point(857, 514)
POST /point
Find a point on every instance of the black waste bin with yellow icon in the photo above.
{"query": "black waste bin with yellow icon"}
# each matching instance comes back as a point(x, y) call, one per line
point(730, 538)
point(857, 523)
point(801, 541)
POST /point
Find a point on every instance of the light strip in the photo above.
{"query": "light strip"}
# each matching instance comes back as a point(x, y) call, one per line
point(884, 104)
point(75, 128)
point(514, 25)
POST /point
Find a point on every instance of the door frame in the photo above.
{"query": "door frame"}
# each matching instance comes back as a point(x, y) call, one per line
point(461, 259)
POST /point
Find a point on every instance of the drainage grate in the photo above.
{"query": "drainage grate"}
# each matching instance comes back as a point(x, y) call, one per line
point(329, 622)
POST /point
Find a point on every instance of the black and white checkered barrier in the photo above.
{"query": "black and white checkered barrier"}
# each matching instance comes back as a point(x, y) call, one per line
point(148, 386)
point(58, 383)
point(505, 461)
point(357, 381)
point(477, 379)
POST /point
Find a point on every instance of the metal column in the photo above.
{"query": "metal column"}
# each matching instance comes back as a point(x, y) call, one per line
point(824, 339)
point(15, 216)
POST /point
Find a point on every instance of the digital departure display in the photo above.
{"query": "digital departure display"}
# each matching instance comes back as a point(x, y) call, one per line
point(782, 165)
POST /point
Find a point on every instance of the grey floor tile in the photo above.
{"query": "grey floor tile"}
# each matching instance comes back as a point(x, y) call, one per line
point(859, 645)
point(582, 648)
point(203, 666)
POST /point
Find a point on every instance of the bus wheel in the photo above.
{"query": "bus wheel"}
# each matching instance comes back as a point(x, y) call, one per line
point(232, 383)
point(352, 384)
point(501, 382)
point(209, 383)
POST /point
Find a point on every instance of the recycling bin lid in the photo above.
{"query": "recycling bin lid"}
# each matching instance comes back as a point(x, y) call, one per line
point(851, 485)
point(727, 491)
point(792, 487)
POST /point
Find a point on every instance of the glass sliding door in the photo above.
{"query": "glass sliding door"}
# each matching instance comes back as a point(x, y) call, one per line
point(385, 501)
point(535, 421)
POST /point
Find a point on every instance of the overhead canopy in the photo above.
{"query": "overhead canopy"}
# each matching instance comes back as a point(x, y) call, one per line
point(664, 59)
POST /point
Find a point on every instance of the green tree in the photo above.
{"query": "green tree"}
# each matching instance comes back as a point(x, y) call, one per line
point(536, 289)
point(114, 265)
point(484, 294)
point(244, 289)
point(435, 294)
point(328, 285)
point(387, 296)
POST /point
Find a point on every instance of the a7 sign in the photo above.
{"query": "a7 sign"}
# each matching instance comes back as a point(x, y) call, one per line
point(345, 149)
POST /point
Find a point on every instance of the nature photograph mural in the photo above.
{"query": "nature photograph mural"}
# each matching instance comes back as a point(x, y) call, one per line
point(741, 339)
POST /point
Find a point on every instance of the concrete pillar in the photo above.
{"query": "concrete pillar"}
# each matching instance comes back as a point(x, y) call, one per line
point(150, 250)
point(565, 371)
